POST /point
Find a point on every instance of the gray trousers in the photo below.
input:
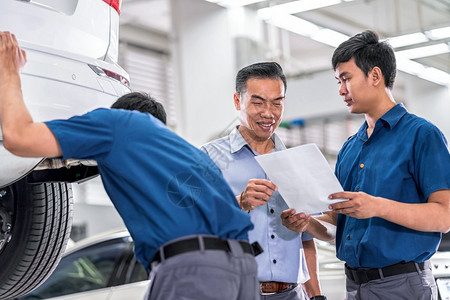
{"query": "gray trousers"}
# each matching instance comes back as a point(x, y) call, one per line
point(297, 293)
point(206, 275)
point(409, 286)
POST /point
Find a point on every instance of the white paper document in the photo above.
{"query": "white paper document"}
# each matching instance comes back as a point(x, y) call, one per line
point(303, 177)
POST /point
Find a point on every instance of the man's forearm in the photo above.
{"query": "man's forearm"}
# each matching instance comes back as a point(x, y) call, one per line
point(20, 135)
point(322, 227)
point(14, 116)
point(13, 113)
point(433, 216)
point(312, 286)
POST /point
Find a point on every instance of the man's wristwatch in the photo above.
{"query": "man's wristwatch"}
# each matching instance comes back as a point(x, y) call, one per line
point(321, 297)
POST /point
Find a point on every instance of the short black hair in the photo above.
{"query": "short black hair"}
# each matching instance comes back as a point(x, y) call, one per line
point(142, 102)
point(368, 53)
point(261, 70)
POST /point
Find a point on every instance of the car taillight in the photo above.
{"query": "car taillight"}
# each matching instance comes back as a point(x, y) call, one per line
point(114, 4)
point(110, 74)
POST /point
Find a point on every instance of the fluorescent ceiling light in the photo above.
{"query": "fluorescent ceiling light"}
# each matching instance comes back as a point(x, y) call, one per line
point(329, 37)
point(233, 3)
point(419, 70)
point(438, 33)
point(296, 7)
point(424, 51)
point(280, 16)
point(409, 66)
point(294, 24)
point(308, 29)
point(407, 39)
point(436, 76)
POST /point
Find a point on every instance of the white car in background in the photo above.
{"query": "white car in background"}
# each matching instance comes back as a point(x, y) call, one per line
point(72, 52)
point(101, 267)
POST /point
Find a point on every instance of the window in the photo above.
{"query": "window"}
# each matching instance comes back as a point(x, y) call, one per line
point(150, 72)
point(88, 269)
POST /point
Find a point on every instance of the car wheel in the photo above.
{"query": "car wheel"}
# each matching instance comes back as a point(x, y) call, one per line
point(35, 224)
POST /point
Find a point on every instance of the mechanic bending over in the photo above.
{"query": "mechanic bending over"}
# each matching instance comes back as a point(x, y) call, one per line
point(184, 219)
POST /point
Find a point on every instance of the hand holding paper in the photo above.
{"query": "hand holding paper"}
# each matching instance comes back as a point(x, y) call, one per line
point(303, 177)
point(256, 193)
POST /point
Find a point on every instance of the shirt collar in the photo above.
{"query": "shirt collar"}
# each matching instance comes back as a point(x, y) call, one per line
point(237, 141)
point(389, 119)
point(394, 115)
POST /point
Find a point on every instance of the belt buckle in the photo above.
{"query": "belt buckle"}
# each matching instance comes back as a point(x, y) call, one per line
point(266, 294)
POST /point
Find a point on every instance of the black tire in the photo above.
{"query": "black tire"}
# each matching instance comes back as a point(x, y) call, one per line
point(40, 217)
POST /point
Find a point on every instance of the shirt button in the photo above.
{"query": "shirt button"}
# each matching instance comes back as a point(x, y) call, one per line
point(361, 166)
point(357, 189)
point(272, 236)
point(272, 211)
point(274, 261)
point(348, 237)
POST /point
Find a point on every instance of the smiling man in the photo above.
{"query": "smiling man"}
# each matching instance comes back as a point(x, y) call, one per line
point(259, 97)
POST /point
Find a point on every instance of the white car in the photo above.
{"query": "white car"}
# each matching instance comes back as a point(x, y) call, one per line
point(440, 264)
point(72, 51)
point(102, 267)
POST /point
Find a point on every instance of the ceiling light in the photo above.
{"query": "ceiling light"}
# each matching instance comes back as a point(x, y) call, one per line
point(281, 16)
point(407, 39)
point(294, 24)
point(308, 29)
point(296, 7)
point(419, 70)
point(436, 76)
point(409, 66)
point(329, 37)
point(438, 33)
point(233, 3)
point(424, 51)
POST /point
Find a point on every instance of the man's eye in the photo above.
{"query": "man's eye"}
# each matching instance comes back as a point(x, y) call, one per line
point(257, 103)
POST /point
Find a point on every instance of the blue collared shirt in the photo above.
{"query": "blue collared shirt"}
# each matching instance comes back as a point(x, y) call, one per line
point(283, 257)
point(405, 159)
point(162, 186)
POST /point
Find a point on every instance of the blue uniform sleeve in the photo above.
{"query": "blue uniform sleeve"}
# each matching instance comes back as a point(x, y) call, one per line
point(432, 161)
point(89, 136)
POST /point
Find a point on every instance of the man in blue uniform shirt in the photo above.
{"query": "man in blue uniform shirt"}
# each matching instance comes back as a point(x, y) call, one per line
point(395, 172)
point(289, 257)
point(185, 221)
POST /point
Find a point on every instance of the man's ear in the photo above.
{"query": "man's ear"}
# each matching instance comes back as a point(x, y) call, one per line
point(237, 101)
point(376, 75)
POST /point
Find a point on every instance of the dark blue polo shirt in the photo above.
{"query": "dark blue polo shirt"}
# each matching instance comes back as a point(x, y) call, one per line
point(163, 187)
point(405, 159)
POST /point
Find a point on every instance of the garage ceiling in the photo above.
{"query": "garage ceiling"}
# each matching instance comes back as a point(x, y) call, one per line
point(390, 18)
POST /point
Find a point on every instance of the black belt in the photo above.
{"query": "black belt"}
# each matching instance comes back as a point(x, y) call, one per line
point(193, 244)
point(362, 275)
